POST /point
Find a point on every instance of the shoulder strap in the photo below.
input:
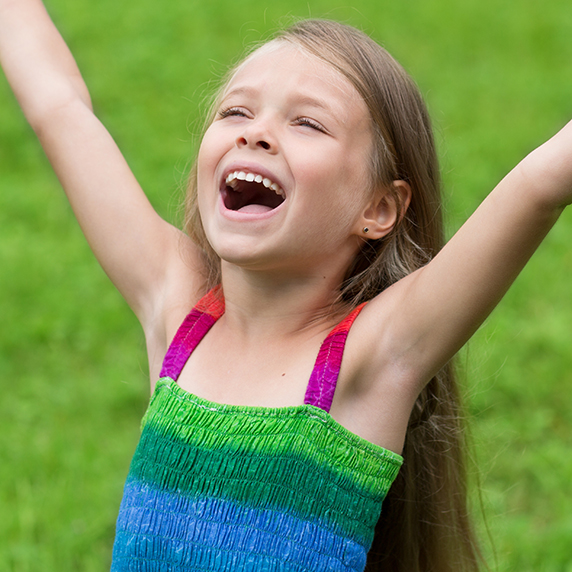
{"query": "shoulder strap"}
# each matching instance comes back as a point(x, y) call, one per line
point(322, 384)
point(194, 327)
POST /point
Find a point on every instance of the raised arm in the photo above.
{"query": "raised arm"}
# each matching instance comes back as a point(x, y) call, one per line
point(429, 315)
point(140, 252)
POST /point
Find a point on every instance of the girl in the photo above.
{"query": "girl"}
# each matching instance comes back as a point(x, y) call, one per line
point(313, 232)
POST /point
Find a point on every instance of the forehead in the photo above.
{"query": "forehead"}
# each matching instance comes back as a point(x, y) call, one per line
point(283, 68)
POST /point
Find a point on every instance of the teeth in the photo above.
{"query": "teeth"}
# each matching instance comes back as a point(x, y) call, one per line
point(232, 178)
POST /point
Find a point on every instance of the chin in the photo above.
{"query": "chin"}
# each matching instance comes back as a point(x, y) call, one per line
point(241, 253)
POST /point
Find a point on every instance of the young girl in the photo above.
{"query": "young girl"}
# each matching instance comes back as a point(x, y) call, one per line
point(302, 328)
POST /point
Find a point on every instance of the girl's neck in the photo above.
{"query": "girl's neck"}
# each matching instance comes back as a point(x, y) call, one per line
point(276, 304)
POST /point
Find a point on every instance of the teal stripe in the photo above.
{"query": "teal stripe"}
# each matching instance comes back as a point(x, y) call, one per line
point(284, 483)
point(309, 431)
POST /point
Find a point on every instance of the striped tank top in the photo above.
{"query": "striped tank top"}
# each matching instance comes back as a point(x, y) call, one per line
point(216, 487)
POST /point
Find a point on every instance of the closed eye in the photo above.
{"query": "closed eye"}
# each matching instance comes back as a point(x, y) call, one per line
point(306, 121)
point(232, 112)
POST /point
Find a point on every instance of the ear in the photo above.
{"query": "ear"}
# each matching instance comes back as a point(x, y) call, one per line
point(386, 208)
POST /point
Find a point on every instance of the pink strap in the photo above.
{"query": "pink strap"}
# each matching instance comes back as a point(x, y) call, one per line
point(210, 308)
point(322, 384)
point(193, 329)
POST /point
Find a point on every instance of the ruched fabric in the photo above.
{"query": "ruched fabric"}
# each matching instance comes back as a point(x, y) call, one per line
point(216, 487)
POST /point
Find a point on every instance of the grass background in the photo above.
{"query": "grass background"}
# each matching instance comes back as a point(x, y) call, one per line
point(498, 81)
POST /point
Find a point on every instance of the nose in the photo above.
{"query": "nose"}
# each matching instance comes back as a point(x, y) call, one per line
point(257, 135)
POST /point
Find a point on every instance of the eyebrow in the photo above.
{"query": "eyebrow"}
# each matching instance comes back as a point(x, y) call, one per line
point(299, 99)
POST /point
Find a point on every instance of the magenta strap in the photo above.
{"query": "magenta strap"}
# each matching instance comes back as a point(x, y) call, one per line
point(195, 326)
point(322, 384)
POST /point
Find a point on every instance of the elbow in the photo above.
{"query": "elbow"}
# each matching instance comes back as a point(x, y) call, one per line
point(54, 100)
point(50, 113)
point(81, 91)
point(546, 175)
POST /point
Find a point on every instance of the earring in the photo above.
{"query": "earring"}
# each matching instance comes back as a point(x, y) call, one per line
point(365, 229)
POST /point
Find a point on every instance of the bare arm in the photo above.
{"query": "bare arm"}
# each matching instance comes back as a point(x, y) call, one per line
point(139, 251)
point(429, 315)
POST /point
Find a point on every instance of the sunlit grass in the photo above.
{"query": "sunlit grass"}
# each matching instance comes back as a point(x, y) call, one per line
point(497, 78)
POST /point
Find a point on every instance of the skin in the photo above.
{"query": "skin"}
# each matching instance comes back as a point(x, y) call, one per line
point(281, 272)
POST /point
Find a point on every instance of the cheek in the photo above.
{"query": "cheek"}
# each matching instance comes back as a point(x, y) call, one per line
point(212, 148)
point(345, 197)
point(330, 222)
point(208, 158)
point(204, 156)
point(337, 199)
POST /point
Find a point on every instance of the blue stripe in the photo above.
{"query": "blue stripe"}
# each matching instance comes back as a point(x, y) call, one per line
point(159, 531)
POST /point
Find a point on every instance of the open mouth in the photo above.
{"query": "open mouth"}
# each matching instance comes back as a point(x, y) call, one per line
point(251, 193)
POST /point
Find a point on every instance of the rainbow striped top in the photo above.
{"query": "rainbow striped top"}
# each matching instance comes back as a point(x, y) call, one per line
point(216, 487)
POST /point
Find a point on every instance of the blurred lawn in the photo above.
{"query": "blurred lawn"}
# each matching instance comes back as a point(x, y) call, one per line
point(498, 80)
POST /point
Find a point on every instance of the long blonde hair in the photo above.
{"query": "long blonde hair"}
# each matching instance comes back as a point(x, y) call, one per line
point(424, 524)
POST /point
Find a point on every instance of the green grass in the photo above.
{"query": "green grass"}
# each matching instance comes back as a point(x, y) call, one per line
point(498, 80)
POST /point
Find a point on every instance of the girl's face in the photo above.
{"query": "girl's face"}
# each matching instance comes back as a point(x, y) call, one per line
point(284, 169)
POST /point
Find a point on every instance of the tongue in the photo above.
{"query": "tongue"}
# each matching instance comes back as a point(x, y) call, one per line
point(254, 209)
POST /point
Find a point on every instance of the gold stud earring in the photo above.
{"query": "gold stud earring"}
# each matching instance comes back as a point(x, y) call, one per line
point(365, 229)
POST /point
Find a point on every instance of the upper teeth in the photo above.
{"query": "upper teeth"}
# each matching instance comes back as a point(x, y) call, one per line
point(232, 178)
